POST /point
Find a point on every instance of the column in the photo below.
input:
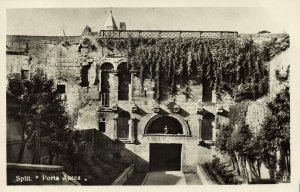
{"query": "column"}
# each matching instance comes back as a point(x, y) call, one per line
point(132, 127)
point(116, 87)
point(214, 131)
point(131, 87)
point(113, 91)
point(115, 126)
point(213, 96)
point(200, 119)
point(99, 77)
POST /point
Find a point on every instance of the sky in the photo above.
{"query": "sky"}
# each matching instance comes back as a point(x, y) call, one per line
point(52, 22)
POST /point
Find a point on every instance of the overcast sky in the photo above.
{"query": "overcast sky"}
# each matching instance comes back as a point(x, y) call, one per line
point(73, 20)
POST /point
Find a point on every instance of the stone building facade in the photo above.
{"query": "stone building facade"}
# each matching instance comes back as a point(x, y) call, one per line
point(175, 134)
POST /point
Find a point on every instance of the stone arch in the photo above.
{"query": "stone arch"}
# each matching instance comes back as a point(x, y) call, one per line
point(106, 66)
point(121, 61)
point(174, 118)
point(104, 87)
point(124, 81)
point(104, 77)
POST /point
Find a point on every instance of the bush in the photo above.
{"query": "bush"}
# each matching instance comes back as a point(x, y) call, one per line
point(218, 173)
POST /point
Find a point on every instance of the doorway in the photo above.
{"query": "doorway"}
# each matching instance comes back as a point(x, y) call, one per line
point(165, 157)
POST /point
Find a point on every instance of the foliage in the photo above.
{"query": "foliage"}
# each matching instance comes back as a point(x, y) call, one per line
point(222, 139)
point(282, 78)
point(238, 113)
point(275, 45)
point(224, 64)
point(219, 173)
point(73, 151)
point(35, 104)
point(276, 131)
point(243, 146)
point(87, 43)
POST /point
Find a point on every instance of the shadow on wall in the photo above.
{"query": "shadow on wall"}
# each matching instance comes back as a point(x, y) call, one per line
point(141, 112)
point(103, 160)
point(184, 113)
point(115, 151)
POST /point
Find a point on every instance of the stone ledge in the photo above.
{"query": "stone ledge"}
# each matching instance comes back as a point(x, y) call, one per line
point(165, 135)
point(204, 177)
point(126, 174)
point(35, 167)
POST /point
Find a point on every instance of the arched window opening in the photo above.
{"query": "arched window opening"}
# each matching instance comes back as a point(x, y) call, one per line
point(123, 125)
point(105, 85)
point(124, 82)
point(165, 125)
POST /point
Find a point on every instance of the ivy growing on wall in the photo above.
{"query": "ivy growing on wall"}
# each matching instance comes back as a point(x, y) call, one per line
point(235, 66)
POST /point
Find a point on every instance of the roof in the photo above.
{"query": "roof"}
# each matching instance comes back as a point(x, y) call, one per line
point(110, 23)
point(87, 31)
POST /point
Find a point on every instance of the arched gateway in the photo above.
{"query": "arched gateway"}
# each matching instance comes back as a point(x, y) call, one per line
point(166, 156)
point(167, 124)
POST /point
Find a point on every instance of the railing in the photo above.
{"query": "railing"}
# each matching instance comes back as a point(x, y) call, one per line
point(104, 99)
point(167, 34)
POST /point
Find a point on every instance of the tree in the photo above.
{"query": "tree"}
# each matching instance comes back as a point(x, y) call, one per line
point(36, 105)
point(276, 130)
point(222, 144)
point(243, 149)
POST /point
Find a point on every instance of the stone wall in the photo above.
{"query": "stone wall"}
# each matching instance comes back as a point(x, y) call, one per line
point(65, 63)
point(280, 62)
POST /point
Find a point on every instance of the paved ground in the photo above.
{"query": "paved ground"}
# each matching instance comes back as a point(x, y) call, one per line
point(192, 179)
point(136, 179)
point(171, 178)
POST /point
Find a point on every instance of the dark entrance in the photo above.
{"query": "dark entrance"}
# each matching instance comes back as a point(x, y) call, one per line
point(165, 157)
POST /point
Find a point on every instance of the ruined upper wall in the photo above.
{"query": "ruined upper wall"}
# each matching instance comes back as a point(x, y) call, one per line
point(41, 39)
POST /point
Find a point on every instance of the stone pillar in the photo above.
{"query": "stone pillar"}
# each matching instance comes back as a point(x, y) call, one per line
point(131, 128)
point(200, 119)
point(99, 77)
point(113, 92)
point(115, 126)
point(116, 87)
point(213, 96)
point(214, 130)
point(131, 87)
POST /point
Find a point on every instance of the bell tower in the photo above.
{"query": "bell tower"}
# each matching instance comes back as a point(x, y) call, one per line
point(110, 23)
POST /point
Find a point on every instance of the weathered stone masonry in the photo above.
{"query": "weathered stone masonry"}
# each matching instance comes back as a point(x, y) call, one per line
point(96, 85)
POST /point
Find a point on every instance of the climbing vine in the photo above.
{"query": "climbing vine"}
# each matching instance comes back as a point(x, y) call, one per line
point(236, 66)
